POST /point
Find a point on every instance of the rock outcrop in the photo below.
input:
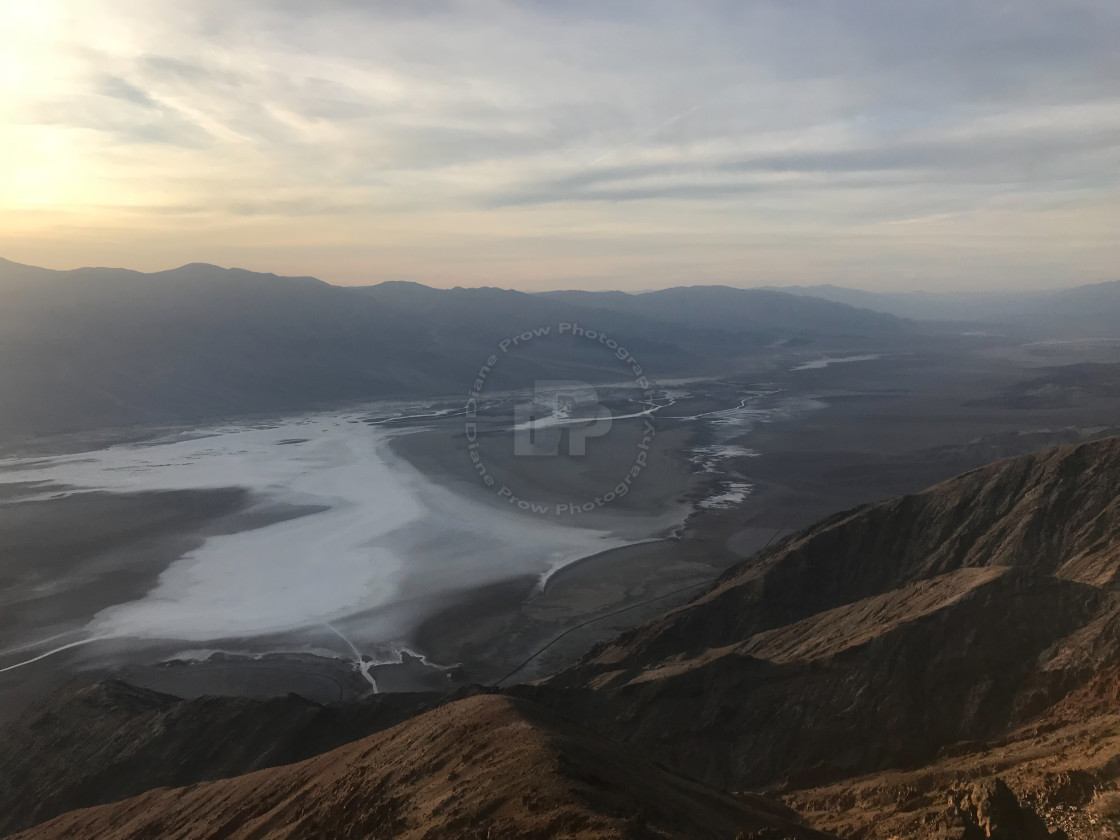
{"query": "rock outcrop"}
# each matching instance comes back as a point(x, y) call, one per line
point(990, 810)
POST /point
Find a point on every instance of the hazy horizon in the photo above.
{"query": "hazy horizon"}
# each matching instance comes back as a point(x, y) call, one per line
point(604, 287)
point(567, 146)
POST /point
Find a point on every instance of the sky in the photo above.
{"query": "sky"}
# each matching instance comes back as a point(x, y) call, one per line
point(871, 143)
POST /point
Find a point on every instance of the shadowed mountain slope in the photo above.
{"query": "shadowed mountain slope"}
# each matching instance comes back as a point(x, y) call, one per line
point(880, 635)
point(486, 766)
point(109, 741)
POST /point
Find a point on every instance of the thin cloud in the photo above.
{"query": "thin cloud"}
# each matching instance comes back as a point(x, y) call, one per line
point(513, 125)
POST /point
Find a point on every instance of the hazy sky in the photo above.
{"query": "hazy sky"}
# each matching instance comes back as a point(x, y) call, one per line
point(874, 143)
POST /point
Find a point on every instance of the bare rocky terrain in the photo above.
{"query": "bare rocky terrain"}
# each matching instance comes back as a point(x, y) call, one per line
point(483, 767)
point(965, 620)
point(104, 742)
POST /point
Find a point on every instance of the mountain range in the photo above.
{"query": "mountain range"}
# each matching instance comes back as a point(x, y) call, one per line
point(99, 347)
point(102, 347)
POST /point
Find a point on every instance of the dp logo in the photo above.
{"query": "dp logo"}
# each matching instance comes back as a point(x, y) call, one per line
point(559, 407)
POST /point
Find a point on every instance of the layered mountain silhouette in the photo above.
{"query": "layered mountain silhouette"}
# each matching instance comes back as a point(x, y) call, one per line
point(944, 664)
point(101, 347)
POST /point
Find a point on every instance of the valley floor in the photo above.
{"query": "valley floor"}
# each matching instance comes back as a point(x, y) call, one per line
point(738, 462)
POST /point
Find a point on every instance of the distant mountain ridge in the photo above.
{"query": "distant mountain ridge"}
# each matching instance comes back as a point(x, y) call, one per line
point(98, 347)
point(1090, 311)
point(729, 308)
